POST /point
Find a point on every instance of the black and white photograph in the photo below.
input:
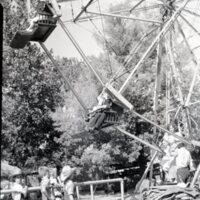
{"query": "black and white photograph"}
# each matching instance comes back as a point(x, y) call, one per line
point(100, 100)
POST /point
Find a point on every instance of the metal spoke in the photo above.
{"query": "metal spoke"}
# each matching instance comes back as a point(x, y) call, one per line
point(177, 78)
point(80, 51)
point(139, 140)
point(191, 12)
point(195, 62)
point(124, 17)
point(190, 25)
point(135, 6)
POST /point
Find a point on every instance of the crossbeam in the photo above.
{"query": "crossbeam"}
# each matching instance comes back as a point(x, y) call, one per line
point(124, 17)
point(83, 10)
point(190, 25)
point(140, 140)
point(80, 51)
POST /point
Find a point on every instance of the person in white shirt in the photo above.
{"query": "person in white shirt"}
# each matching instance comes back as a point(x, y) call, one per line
point(184, 164)
point(66, 177)
point(20, 191)
point(168, 162)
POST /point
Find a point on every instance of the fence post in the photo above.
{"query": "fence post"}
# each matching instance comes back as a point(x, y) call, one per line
point(91, 192)
point(77, 193)
point(122, 189)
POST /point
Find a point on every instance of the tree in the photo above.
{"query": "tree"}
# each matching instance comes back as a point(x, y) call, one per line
point(31, 90)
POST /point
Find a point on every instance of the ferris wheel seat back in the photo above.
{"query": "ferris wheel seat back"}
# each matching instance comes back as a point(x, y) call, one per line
point(44, 29)
point(117, 96)
point(39, 34)
point(20, 39)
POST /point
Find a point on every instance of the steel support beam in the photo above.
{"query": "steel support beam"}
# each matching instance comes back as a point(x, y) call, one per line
point(190, 25)
point(194, 59)
point(80, 51)
point(140, 140)
point(124, 17)
point(83, 10)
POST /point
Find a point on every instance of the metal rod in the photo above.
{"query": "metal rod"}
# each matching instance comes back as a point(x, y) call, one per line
point(92, 17)
point(174, 70)
point(99, 181)
point(195, 62)
point(91, 192)
point(80, 51)
point(136, 5)
point(160, 127)
point(66, 82)
point(128, 57)
point(122, 189)
point(191, 12)
point(167, 98)
point(140, 140)
point(138, 45)
point(196, 175)
point(191, 104)
point(156, 93)
point(124, 17)
point(77, 192)
point(145, 172)
point(178, 81)
point(190, 25)
point(28, 5)
point(83, 10)
point(154, 43)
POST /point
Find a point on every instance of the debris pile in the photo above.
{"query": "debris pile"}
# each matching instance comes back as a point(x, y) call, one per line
point(171, 192)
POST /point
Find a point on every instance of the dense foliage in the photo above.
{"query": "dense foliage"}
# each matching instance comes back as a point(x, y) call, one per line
point(31, 90)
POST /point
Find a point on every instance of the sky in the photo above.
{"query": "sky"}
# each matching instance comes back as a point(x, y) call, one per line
point(84, 32)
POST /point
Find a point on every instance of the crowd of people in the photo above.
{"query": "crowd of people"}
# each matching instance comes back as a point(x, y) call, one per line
point(55, 184)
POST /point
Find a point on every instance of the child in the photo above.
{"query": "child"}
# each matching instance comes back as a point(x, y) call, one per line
point(20, 191)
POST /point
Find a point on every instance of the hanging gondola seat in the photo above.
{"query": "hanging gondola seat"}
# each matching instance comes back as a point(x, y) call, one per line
point(20, 39)
point(44, 29)
point(39, 34)
point(41, 31)
point(112, 118)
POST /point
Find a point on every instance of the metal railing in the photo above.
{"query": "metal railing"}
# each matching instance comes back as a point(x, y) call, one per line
point(92, 183)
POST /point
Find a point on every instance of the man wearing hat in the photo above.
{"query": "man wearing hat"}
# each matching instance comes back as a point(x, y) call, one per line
point(20, 192)
point(66, 178)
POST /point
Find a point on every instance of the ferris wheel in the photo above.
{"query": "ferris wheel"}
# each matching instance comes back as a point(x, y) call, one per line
point(173, 23)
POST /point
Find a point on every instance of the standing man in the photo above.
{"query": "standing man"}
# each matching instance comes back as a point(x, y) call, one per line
point(184, 164)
